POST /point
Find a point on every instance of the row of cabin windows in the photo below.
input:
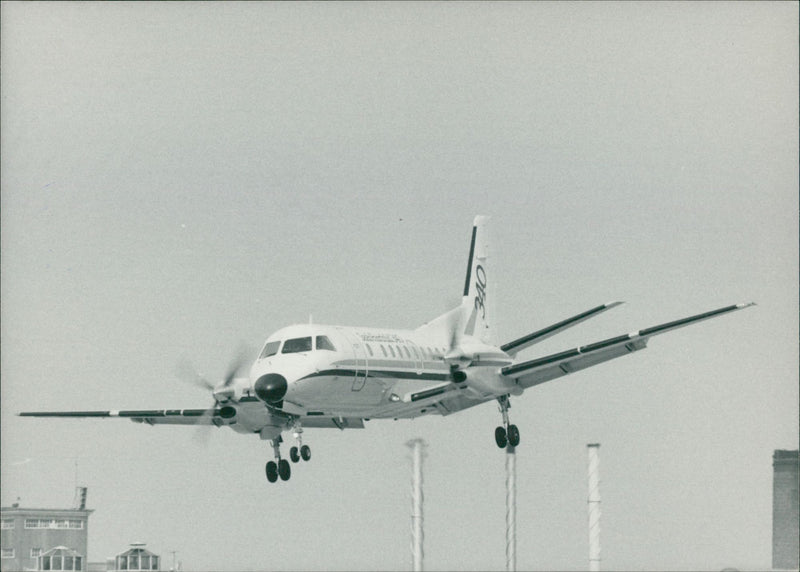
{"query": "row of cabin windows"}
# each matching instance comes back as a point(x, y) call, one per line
point(297, 345)
point(402, 351)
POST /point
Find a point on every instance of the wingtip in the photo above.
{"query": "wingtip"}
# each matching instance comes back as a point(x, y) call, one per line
point(746, 304)
point(614, 304)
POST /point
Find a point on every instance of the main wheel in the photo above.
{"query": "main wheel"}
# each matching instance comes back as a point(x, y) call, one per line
point(293, 455)
point(284, 469)
point(272, 471)
point(305, 452)
point(500, 437)
point(513, 435)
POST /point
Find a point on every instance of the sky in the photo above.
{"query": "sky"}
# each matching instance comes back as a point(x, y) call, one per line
point(182, 179)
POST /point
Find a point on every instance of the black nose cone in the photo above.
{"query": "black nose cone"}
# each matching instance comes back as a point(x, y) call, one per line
point(271, 387)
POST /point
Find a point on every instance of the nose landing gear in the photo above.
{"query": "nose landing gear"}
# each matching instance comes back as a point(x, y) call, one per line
point(299, 451)
point(507, 434)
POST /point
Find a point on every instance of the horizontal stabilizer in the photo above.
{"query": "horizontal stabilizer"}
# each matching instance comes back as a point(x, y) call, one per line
point(511, 348)
point(540, 370)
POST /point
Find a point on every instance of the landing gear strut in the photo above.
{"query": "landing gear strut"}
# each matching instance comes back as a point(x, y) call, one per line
point(507, 434)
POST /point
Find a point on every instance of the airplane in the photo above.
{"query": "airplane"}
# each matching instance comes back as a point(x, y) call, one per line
point(323, 376)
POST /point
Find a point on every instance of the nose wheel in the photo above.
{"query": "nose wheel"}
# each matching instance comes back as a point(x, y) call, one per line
point(507, 434)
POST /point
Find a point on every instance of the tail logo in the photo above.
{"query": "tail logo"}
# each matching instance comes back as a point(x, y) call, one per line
point(480, 290)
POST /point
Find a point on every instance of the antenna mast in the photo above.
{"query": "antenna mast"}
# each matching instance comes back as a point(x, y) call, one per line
point(594, 506)
point(418, 453)
point(511, 509)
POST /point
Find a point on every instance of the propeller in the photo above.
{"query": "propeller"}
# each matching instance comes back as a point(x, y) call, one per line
point(220, 393)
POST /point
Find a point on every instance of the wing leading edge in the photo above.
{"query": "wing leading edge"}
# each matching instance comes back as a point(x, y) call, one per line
point(540, 370)
point(151, 416)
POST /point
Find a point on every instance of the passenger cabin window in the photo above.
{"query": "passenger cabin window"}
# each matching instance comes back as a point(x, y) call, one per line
point(270, 350)
point(324, 343)
point(296, 345)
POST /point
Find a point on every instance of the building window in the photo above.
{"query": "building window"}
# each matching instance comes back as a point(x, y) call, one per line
point(8, 523)
point(36, 552)
point(8, 553)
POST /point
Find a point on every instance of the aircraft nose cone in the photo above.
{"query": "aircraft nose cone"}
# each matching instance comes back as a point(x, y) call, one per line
point(271, 387)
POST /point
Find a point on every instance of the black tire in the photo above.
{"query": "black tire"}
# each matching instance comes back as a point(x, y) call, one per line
point(293, 455)
point(284, 469)
point(500, 437)
point(272, 471)
point(305, 452)
point(513, 435)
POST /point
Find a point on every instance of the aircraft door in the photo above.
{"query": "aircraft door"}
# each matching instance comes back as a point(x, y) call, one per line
point(419, 357)
point(361, 362)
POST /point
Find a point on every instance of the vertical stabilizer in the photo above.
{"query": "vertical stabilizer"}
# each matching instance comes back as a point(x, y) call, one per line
point(479, 288)
point(473, 317)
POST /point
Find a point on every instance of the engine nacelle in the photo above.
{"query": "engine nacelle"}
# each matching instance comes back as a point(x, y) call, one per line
point(485, 382)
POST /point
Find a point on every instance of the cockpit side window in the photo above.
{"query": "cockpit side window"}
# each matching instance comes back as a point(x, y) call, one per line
point(324, 343)
point(270, 349)
point(296, 345)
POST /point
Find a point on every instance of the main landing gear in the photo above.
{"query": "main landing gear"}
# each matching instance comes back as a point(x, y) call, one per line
point(507, 434)
point(281, 467)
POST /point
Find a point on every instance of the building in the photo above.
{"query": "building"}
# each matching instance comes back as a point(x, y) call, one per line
point(62, 535)
point(785, 510)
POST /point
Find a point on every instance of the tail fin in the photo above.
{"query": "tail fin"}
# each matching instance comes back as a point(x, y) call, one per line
point(478, 299)
point(473, 316)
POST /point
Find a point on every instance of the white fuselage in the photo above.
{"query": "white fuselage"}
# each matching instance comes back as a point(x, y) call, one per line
point(369, 372)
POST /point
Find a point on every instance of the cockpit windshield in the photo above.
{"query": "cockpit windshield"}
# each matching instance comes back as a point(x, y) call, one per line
point(270, 349)
point(297, 345)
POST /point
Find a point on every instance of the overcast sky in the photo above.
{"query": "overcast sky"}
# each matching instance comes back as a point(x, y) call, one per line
point(182, 178)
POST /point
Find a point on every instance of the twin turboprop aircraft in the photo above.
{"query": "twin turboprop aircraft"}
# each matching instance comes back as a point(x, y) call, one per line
point(316, 376)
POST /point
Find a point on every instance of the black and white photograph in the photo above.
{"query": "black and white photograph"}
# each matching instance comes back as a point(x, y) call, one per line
point(399, 286)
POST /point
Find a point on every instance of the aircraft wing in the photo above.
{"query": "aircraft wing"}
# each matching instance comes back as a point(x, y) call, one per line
point(149, 416)
point(196, 417)
point(541, 370)
point(511, 348)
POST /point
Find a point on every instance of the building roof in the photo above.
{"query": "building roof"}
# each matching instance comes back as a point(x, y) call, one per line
point(19, 511)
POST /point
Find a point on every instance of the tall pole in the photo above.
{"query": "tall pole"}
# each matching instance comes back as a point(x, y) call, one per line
point(417, 454)
point(594, 506)
point(511, 509)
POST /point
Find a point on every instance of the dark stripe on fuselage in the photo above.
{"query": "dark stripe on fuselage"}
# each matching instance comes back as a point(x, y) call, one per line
point(469, 262)
point(379, 373)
